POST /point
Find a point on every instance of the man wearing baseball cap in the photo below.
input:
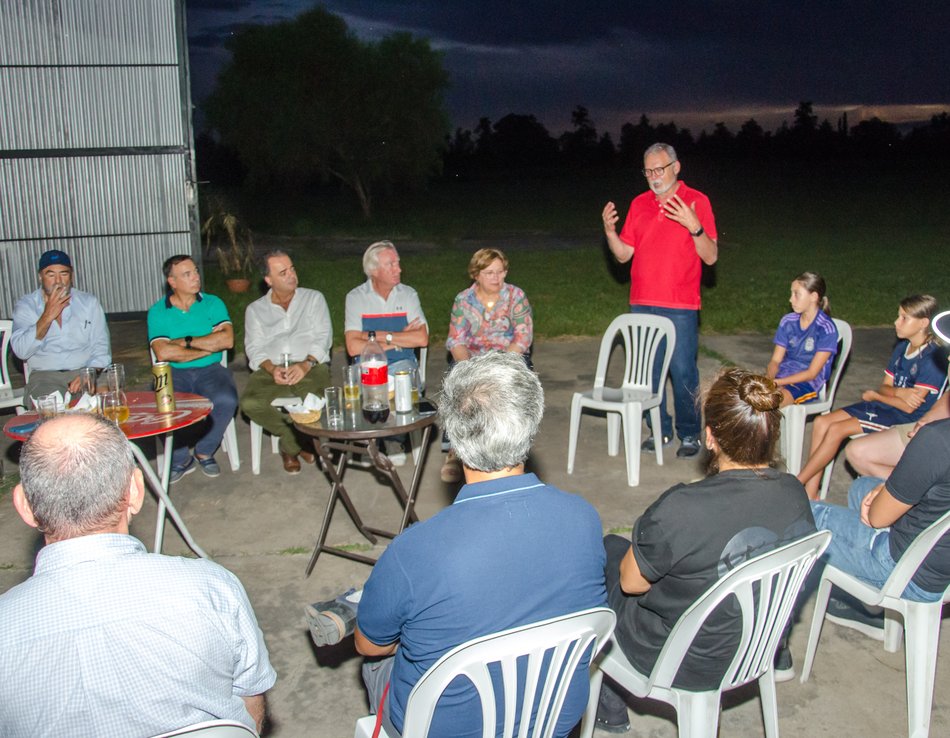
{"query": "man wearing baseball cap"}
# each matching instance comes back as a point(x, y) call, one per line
point(58, 330)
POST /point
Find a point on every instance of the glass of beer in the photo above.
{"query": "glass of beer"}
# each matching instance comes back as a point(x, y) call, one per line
point(115, 407)
point(351, 385)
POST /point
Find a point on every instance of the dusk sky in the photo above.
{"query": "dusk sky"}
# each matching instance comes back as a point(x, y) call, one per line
point(692, 62)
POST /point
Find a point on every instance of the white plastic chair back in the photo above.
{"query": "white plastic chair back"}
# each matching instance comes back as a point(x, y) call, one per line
point(794, 416)
point(213, 729)
point(641, 336)
point(765, 588)
point(564, 640)
point(921, 622)
point(9, 397)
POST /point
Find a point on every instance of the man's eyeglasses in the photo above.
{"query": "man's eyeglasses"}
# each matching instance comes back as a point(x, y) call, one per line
point(656, 172)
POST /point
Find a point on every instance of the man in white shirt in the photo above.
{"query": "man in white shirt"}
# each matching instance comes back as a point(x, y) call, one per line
point(58, 330)
point(288, 320)
point(385, 305)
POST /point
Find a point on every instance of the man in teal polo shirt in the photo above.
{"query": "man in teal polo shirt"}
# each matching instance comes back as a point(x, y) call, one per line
point(189, 329)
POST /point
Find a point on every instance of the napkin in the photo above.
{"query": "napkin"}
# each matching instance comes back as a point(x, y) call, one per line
point(310, 403)
point(86, 404)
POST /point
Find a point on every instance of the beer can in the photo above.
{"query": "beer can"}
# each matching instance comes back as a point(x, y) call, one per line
point(162, 384)
point(403, 392)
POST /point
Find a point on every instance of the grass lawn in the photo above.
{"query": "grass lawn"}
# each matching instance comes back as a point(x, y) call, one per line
point(875, 233)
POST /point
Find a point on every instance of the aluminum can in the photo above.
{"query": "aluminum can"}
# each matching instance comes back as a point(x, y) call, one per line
point(162, 384)
point(403, 391)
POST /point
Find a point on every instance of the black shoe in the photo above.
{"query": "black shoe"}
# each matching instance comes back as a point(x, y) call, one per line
point(649, 445)
point(783, 668)
point(689, 446)
point(855, 616)
point(611, 712)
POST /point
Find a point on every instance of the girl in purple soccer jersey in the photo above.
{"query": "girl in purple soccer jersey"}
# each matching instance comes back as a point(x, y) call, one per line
point(805, 341)
point(912, 380)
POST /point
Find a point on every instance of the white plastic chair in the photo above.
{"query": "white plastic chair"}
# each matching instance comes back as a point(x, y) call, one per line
point(642, 335)
point(257, 438)
point(566, 639)
point(228, 443)
point(795, 416)
point(765, 587)
point(921, 622)
point(213, 729)
point(9, 397)
point(830, 466)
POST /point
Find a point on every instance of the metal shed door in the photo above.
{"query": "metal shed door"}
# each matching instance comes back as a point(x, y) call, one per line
point(96, 152)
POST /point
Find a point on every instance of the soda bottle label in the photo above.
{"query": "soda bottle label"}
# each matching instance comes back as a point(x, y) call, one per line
point(374, 374)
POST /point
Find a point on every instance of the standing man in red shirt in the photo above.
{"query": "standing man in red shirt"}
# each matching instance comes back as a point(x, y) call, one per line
point(668, 234)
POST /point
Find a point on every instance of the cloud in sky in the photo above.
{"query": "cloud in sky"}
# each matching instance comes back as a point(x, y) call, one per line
point(695, 61)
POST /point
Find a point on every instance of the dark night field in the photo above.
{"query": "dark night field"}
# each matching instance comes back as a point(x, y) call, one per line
point(876, 231)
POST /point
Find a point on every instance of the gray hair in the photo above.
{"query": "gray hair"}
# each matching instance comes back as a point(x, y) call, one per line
point(265, 260)
point(491, 406)
point(658, 148)
point(371, 256)
point(75, 471)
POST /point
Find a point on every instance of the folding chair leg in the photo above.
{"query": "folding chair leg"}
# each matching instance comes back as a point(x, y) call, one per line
point(257, 436)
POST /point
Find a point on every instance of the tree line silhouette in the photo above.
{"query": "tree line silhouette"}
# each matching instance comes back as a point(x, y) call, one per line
point(519, 142)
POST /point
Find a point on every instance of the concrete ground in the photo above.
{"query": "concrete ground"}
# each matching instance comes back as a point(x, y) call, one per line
point(263, 528)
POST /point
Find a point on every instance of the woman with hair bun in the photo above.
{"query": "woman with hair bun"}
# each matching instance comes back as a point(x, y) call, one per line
point(696, 533)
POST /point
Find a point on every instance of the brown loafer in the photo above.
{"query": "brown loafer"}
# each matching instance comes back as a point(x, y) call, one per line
point(291, 463)
point(306, 457)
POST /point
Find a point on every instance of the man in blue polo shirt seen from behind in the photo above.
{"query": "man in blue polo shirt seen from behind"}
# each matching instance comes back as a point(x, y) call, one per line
point(510, 551)
point(190, 330)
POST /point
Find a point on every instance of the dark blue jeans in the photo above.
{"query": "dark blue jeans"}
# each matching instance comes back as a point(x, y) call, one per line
point(217, 384)
point(684, 373)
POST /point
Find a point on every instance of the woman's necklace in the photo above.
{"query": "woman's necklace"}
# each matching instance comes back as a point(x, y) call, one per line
point(489, 304)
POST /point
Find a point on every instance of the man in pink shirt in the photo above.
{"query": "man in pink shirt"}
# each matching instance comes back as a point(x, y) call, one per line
point(669, 233)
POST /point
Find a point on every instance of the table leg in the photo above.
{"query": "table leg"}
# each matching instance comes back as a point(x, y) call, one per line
point(337, 490)
point(165, 505)
point(407, 500)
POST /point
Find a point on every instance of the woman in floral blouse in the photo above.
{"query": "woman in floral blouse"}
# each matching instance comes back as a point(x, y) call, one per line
point(489, 315)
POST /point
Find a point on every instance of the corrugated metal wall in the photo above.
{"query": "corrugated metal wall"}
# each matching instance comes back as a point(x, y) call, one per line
point(96, 153)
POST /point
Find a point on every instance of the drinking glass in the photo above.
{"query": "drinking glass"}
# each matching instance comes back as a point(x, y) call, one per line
point(351, 384)
point(334, 406)
point(48, 405)
point(416, 387)
point(115, 407)
point(114, 375)
point(87, 379)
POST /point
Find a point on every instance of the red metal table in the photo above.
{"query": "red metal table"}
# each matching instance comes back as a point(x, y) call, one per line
point(357, 436)
point(146, 422)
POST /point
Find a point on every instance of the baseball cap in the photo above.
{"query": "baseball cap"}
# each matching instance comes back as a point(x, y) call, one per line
point(49, 258)
point(941, 326)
